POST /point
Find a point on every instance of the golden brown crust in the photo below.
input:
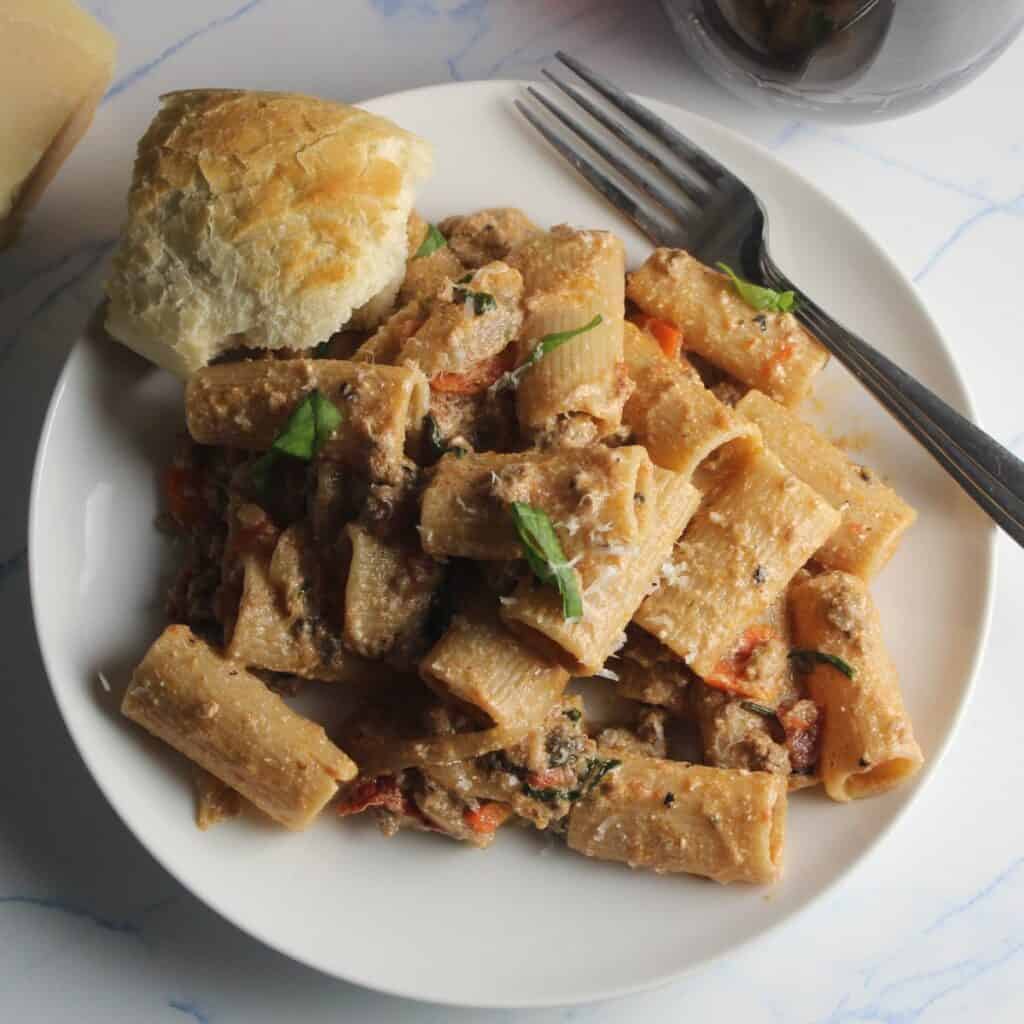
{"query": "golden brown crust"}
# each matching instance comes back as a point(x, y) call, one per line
point(272, 215)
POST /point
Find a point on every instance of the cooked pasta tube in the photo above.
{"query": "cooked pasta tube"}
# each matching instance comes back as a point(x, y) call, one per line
point(469, 321)
point(281, 624)
point(569, 277)
point(426, 275)
point(593, 494)
point(226, 721)
point(388, 593)
point(671, 413)
point(478, 663)
point(724, 824)
point(766, 350)
point(874, 516)
point(246, 405)
point(613, 578)
point(383, 346)
point(743, 547)
point(868, 744)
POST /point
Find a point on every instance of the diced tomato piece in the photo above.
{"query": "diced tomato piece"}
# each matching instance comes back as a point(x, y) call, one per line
point(477, 378)
point(666, 333)
point(549, 778)
point(382, 791)
point(728, 673)
point(487, 818)
point(183, 493)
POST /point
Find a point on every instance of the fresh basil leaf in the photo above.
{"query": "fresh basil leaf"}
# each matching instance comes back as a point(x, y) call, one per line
point(801, 654)
point(756, 296)
point(310, 425)
point(433, 241)
point(483, 302)
point(546, 345)
point(545, 556)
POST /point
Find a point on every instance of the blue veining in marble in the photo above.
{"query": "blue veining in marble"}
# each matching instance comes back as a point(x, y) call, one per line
point(1011, 207)
point(129, 79)
point(122, 926)
point(190, 1009)
point(981, 894)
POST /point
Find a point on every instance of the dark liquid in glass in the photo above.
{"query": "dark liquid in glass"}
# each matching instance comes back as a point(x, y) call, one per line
point(847, 59)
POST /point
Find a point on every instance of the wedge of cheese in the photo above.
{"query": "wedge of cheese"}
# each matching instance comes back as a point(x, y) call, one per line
point(55, 64)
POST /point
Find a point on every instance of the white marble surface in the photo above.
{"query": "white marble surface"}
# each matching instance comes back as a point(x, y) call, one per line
point(930, 929)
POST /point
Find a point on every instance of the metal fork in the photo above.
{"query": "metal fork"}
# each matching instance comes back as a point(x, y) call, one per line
point(692, 202)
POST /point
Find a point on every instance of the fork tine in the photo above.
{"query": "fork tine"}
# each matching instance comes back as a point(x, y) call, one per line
point(698, 160)
point(655, 191)
point(644, 215)
point(693, 189)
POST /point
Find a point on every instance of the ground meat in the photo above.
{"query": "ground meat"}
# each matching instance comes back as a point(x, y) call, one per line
point(801, 720)
point(735, 737)
point(487, 235)
point(645, 739)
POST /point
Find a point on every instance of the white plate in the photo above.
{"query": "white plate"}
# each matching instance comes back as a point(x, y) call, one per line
point(522, 924)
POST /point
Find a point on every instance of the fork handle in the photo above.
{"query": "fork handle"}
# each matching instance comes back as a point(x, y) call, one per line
point(989, 473)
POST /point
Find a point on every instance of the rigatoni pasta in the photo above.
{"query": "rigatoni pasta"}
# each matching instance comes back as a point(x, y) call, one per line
point(868, 743)
point(725, 824)
point(504, 485)
point(671, 413)
point(570, 277)
point(229, 723)
point(875, 517)
point(741, 551)
point(765, 350)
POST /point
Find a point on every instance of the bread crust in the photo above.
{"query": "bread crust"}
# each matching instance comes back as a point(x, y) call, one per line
point(258, 218)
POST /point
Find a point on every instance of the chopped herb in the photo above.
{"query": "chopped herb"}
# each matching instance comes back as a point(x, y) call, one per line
point(760, 575)
point(546, 345)
point(762, 322)
point(596, 770)
point(483, 302)
point(433, 241)
point(758, 709)
point(823, 658)
point(314, 420)
point(573, 714)
point(320, 351)
point(545, 556)
point(670, 799)
point(466, 278)
point(757, 297)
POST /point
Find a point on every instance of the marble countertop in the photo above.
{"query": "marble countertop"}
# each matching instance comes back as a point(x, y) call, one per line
point(930, 929)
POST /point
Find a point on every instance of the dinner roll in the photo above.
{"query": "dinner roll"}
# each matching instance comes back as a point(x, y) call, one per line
point(260, 219)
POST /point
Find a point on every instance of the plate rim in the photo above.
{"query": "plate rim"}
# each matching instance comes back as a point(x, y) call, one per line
point(988, 570)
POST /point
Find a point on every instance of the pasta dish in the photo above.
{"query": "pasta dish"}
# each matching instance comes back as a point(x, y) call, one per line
point(536, 467)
